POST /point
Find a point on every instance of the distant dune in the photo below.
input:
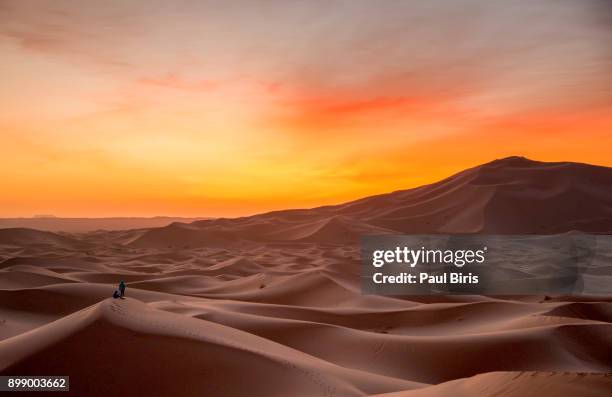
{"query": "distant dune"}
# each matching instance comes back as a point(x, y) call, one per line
point(20, 237)
point(509, 196)
point(271, 305)
point(80, 225)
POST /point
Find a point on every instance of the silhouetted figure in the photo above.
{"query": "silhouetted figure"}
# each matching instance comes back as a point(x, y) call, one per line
point(122, 288)
point(116, 294)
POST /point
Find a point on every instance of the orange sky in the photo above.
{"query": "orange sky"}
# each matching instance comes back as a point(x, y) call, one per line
point(192, 108)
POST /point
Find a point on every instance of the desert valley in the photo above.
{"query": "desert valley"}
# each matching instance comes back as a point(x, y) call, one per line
point(270, 305)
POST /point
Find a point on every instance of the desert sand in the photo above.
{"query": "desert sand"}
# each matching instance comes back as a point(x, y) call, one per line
point(270, 305)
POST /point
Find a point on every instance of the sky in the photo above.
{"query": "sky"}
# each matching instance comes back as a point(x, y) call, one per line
point(196, 108)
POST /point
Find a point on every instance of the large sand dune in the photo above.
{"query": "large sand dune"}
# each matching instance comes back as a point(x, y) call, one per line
point(270, 305)
point(512, 195)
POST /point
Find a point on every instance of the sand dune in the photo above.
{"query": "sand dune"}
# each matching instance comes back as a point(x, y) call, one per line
point(179, 235)
point(337, 229)
point(271, 305)
point(197, 350)
point(512, 195)
point(20, 237)
point(518, 384)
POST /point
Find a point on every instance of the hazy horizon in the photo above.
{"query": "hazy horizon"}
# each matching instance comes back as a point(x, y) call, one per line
point(50, 217)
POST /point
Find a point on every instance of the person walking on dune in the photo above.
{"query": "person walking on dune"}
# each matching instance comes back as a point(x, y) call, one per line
point(121, 289)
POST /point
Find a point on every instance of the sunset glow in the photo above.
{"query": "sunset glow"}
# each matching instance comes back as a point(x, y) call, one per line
point(203, 109)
